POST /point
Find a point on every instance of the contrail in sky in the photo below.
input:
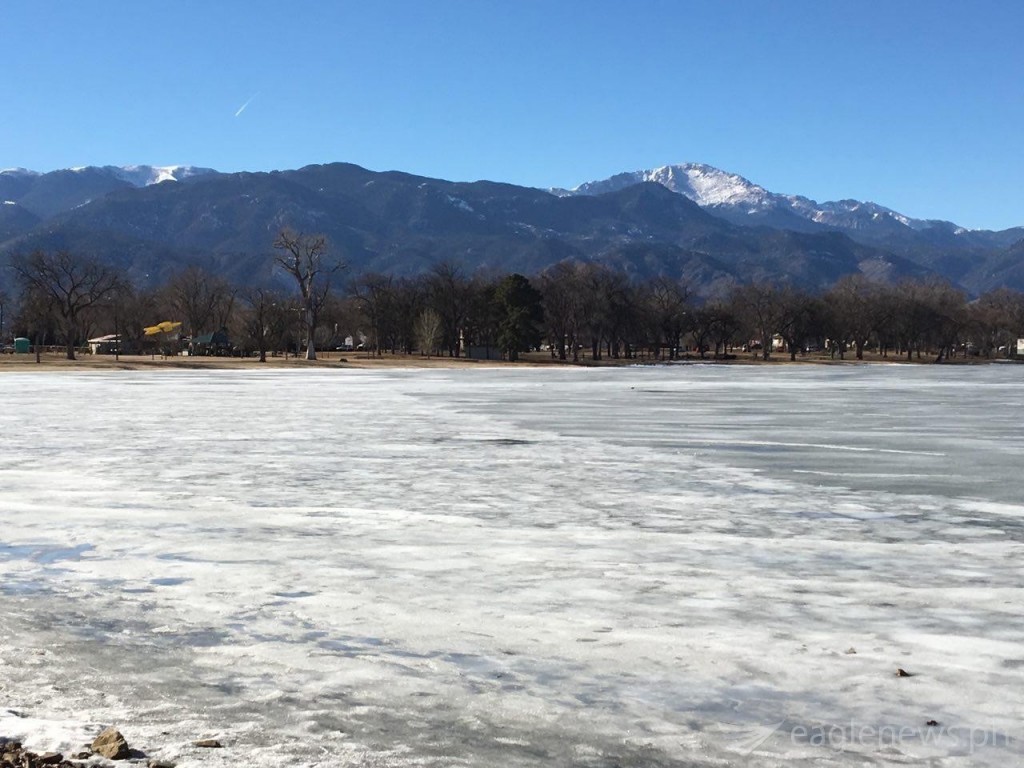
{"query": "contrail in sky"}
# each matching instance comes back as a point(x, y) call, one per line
point(241, 109)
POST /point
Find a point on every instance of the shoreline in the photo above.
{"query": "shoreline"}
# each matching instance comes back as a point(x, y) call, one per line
point(332, 360)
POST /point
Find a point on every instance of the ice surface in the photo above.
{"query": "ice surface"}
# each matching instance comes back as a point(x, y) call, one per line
point(689, 565)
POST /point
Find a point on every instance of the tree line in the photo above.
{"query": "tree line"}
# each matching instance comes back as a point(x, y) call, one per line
point(573, 310)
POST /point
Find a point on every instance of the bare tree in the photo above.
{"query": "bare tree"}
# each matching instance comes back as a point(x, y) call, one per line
point(911, 318)
point(557, 287)
point(715, 324)
point(4, 303)
point(799, 314)
point(305, 258)
point(113, 306)
point(948, 309)
point(70, 285)
point(35, 318)
point(429, 331)
point(449, 293)
point(204, 300)
point(857, 304)
point(997, 320)
point(375, 294)
point(669, 312)
point(262, 323)
point(408, 303)
point(758, 304)
point(138, 309)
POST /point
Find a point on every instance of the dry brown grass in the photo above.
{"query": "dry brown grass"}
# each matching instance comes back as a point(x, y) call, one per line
point(51, 361)
point(54, 361)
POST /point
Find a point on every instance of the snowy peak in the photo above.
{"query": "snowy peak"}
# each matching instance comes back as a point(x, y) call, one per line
point(17, 172)
point(704, 184)
point(146, 175)
point(741, 201)
point(47, 194)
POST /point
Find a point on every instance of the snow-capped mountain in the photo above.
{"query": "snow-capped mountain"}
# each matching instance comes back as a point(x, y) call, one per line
point(48, 194)
point(136, 175)
point(13, 172)
point(692, 220)
point(703, 184)
point(144, 175)
point(741, 201)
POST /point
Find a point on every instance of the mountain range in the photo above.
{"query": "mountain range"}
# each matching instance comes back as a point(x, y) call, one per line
point(690, 220)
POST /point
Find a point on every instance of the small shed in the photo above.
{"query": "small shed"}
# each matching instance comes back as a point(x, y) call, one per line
point(483, 352)
point(216, 343)
point(22, 346)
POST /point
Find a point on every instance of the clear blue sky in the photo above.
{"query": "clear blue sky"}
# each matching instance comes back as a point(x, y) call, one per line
point(915, 105)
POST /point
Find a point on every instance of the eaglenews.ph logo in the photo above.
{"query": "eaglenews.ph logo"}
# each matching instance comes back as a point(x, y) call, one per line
point(746, 741)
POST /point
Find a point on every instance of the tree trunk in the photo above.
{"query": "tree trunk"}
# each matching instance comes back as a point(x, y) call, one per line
point(310, 334)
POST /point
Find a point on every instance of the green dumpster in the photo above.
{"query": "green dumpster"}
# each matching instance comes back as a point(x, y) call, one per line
point(22, 345)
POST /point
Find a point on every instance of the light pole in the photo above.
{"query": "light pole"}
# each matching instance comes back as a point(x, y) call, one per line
point(117, 334)
point(114, 295)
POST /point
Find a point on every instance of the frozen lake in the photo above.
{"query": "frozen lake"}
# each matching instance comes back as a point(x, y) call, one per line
point(673, 566)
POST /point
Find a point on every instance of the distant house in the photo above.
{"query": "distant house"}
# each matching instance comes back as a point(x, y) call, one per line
point(104, 345)
point(216, 343)
point(1020, 347)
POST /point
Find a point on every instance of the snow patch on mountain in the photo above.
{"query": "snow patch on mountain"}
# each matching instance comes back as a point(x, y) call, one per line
point(18, 172)
point(146, 175)
point(706, 185)
point(703, 184)
point(714, 188)
point(460, 203)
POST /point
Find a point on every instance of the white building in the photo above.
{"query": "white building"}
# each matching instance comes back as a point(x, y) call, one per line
point(104, 345)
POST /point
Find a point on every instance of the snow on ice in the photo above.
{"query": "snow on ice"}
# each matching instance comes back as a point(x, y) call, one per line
point(689, 565)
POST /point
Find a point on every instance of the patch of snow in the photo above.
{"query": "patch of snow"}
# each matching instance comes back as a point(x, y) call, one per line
point(147, 175)
point(712, 187)
point(9, 202)
point(460, 203)
point(706, 185)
